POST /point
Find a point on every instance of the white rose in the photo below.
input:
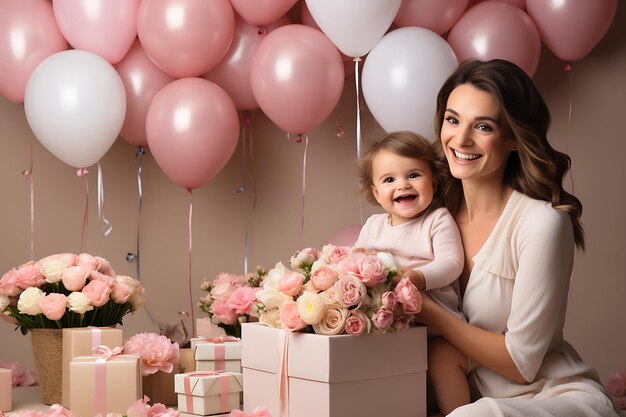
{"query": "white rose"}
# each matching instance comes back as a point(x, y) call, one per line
point(79, 303)
point(333, 321)
point(270, 317)
point(52, 269)
point(4, 302)
point(311, 307)
point(271, 298)
point(271, 281)
point(390, 262)
point(28, 302)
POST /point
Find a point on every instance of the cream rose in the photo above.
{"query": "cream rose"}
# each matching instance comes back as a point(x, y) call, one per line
point(79, 303)
point(28, 303)
point(52, 266)
point(333, 321)
point(311, 307)
point(270, 317)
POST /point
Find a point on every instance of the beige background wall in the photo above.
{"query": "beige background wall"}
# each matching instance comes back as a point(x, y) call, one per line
point(595, 138)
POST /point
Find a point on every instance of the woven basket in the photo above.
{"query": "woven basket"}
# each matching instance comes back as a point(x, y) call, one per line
point(48, 353)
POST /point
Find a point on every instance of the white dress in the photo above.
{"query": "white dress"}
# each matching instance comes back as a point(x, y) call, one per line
point(518, 287)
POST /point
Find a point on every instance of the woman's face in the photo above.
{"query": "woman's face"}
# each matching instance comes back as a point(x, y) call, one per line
point(472, 135)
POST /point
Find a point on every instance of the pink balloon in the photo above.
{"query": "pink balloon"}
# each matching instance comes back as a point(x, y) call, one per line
point(262, 12)
point(192, 128)
point(142, 81)
point(296, 74)
point(28, 35)
point(345, 237)
point(436, 15)
point(494, 29)
point(104, 27)
point(572, 28)
point(186, 38)
point(232, 73)
point(518, 3)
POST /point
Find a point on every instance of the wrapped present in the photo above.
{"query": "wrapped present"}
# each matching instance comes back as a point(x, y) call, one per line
point(228, 366)
point(315, 375)
point(6, 384)
point(206, 393)
point(104, 383)
point(217, 354)
point(80, 341)
point(159, 387)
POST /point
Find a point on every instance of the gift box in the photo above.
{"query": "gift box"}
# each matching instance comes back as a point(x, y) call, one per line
point(334, 376)
point(159, 387)
point(101, 385)
point(206, 393)
point(6, 384)
point(80, 342)
point(217, 354)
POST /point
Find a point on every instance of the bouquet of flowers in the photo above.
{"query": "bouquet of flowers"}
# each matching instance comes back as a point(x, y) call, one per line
point(68, 290)
point(336, 290)
point(231, 299)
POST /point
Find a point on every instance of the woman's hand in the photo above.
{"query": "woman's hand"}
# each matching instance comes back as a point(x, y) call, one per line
point(429, 309)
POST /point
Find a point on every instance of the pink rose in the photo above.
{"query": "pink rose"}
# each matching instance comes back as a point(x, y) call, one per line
point(223, 313)
point(53, 305)
point(357, 323)
point(324, 277)
point(160, 410)
point(371, 270)
point(224, 285)
point(157, 352)
point(332, 254)
point(74, 278)
point(28, 413)
point(8, 284)
point(104, 267)
point(290, 283)
point(402, 323)
point(290, 316)
point(350, 291)
point(97, 292)
point(120, 292)
point(409, 296)
point(383, 319)
point(99, 276)
point(241, 300)
point(389, 300)
point(28, 275)
point(349, 265)
point(88, 262)
point(330, 296)
point(139, 408)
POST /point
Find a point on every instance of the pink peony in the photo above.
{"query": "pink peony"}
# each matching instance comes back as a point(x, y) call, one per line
point(157, 352)
point(291, 283)
point(324, 277)
point(389, 300)
point(225, 284)
point(409, 296)
point(139, 408)
point(74, 278)
point(241, 300)
point(8, 284)
point(290, 317)
point(383, 319)
point(357, 323)
point(28, 413)
point(159, 410)
point(223, 313)
point(350, 291)
point(19, 375)
point(97, 292)
point(53, 305)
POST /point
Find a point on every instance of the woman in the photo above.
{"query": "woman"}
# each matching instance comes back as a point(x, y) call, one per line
point(519, 229)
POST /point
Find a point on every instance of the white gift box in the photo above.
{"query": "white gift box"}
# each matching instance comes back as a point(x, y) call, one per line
point(335, 376)
point(206, 393)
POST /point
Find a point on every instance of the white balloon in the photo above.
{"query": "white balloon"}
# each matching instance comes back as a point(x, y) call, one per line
point(75, 104)
point(354, 26)
point(402, 76)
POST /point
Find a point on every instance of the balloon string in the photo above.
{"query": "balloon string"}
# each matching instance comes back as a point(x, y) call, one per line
point(246, 124)
point(29, 177)
point(101, 216)
point(306, 148)
point(82, 172)
point(568, 69)
point(191, 304)
point(358, 124)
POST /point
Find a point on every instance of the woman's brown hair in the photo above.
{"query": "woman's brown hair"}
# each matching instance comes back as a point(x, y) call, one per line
point(536, 169)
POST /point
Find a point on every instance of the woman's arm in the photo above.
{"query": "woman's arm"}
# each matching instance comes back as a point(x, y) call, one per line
point(483, 347)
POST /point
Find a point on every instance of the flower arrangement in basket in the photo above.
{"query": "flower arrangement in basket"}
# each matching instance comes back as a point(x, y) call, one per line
point(231, 299)
point(68, 290)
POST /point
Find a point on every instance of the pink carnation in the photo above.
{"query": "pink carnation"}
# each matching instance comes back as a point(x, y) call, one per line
point(157, 352)
point(241, 300)
point(223, 313)
point(139, 408)
point(409, 296)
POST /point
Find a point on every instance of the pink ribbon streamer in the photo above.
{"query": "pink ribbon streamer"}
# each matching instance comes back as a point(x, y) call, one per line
point(283, 376)
point(82, 172)
point(224, 388)
point(101, 374)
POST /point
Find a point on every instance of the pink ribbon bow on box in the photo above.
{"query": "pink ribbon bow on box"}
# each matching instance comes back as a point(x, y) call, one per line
point(224, 386)
point(219, 349)
point(101, 373)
